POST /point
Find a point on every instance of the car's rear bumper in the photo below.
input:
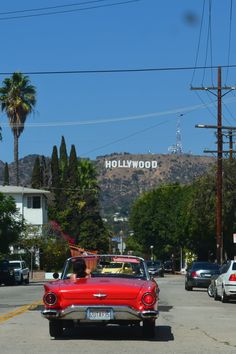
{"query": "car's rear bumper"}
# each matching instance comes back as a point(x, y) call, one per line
point(199, 283)
point(120, 313)
point(230, 289)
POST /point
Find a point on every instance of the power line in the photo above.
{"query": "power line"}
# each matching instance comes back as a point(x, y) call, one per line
point(199, 40)
point(69, 11)
point(230, 31)
point(114, 71)
point(181, 110)
point(125, 138)
point(51, 7)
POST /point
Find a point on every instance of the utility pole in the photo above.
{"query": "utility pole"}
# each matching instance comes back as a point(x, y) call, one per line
point(218, 88)
point(219, 236)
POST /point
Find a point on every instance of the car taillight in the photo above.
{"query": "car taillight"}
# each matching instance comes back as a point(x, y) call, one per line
point(232, 277)
point(148, 299)
point(50, 299)
point(194, 274)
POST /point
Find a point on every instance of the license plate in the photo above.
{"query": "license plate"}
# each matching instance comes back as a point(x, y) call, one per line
point(206, 275)
point(99, 314)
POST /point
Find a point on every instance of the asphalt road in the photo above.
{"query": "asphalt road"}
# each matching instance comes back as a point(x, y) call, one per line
point(189, 322)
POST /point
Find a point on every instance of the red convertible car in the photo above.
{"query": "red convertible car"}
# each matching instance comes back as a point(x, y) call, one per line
point(103, 297)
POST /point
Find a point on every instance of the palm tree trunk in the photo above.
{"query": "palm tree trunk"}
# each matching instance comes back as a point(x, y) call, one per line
point(16, 158)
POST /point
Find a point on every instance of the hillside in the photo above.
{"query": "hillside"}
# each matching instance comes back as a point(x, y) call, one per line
point(122, 177)
point(121, 185)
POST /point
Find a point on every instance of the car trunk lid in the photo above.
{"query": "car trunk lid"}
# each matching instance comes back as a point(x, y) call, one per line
point(100, 288)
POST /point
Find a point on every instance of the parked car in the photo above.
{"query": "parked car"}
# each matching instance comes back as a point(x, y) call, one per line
point(155, 268)
point(225, 283)
point(212, 286)
point(168, 266)
point(101, 298)
point(199, 274)
point(7, 276)
point(21, 271)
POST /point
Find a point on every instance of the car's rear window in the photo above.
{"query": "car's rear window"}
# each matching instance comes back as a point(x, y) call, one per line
point(234, 266)
point(205, 265)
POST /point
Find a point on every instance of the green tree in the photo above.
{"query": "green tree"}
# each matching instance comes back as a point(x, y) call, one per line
point(44, 172)
point(55, 173)
point(63, 160)
point(87, 176)
point(36, 180)
point(156, 219)
point(17, 97)
point(78, 209)
point(73, 168)
point(10, 223)
point(6, 175)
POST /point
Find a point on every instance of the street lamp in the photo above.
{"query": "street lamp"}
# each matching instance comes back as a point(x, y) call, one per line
point(151, 248)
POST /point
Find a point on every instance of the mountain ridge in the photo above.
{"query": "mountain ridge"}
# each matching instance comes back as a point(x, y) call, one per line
point(123, 176)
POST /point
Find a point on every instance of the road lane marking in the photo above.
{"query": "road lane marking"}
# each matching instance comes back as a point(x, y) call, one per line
point(20, 310)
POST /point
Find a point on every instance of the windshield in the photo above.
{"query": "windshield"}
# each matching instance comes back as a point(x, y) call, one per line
point(153, 263)
point(14, 264)
point(108, 266)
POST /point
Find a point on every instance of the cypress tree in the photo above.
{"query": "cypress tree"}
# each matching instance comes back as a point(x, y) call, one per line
point(63, 162)
point(6, 175)
point(44, 172)
point(55, 168)
point(55, 181)
point(36, 174)
point(73, 168)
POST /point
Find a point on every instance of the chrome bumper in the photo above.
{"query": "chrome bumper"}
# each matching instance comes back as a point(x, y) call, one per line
point(75, 312)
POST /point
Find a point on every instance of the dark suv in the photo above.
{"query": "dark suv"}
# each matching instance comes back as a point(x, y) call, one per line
point(7, 275)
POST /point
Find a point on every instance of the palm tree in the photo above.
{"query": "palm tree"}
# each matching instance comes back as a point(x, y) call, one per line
point(17, 97)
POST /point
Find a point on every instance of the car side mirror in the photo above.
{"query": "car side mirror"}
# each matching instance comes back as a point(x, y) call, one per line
point(55, 275)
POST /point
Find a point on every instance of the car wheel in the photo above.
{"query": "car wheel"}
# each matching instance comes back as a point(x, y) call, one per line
point(55, 329)
point(210, 290)
point(224, 297)
point(216, 296)
point(27, 280)
point(21, 279)
point(188, 288)
point(149, 328)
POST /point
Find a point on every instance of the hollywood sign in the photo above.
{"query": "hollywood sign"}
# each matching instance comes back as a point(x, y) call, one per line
point(130, 164)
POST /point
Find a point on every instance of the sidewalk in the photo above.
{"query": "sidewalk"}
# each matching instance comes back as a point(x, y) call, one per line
point(37, 275)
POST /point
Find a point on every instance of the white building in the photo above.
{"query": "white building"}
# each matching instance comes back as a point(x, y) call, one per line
point(31, 203)
point(32, 206)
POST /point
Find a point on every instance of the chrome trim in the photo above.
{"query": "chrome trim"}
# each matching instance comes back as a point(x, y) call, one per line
point(76, 312)
point(100, 296)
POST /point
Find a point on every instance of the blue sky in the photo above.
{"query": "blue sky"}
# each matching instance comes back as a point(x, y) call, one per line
point(118, 112)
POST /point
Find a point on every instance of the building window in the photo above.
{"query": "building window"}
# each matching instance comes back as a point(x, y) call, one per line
point(34, 202)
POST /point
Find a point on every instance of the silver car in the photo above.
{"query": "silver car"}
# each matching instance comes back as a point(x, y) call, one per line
point(225, 284)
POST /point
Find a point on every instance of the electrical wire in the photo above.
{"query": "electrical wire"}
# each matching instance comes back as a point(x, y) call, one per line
point(199, 41)
point(69, 11)
point(125, 138)
point(229, 44)
point(204, 104)
point(114, 71)
point(51, 7)
point(187, 109)
point(208, 40)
